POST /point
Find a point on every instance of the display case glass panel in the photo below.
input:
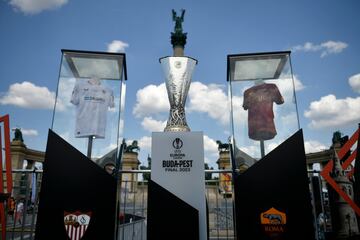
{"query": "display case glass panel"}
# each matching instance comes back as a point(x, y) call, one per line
point(89, 102)
point(262, 102)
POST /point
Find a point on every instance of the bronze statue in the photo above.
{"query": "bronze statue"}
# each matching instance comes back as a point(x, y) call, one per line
point(131, 148)
point(336, 137)
point(178, 21)
point(18, 135)
point(222, 147)
point(178, 38)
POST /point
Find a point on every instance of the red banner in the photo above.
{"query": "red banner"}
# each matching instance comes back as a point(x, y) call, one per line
point(325, 173)
point(9, 182)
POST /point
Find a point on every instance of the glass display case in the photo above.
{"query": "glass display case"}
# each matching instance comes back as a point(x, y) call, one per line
point(262, 103)
point(90, 101)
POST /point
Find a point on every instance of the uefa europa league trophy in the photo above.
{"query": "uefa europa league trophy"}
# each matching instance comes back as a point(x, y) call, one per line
point(178, 71)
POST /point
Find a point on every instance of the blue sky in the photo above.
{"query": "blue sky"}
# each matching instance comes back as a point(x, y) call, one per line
point(324, 37)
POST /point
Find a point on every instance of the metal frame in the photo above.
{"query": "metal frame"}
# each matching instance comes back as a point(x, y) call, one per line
point(278, 71)
point(220, 208)
point(110, 55)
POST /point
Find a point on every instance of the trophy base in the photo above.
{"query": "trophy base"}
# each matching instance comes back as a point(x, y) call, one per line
point(177, 128)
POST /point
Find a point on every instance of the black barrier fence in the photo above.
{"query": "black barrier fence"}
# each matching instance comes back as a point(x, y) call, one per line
point(22, 212)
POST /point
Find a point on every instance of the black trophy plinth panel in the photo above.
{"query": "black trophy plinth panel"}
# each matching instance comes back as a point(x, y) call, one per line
point(73, 183)
point(278, 181)
point(169, 217)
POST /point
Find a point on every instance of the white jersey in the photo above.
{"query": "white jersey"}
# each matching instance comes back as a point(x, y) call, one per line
point(20, 207)
point(92, 102)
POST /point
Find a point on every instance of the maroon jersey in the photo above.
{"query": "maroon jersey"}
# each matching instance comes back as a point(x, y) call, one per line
point(259, 101)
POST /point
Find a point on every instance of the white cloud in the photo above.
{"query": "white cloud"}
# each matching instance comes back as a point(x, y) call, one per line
point(66, 86)
point(145, 143)
point(238, 111)
point(298, 84)
point(210, 99)
point(332, 112)
point(150, 100)
point(332, 47)
point(286, 89)
point(326, 48)
point(310, 146)
point(211, 151)
point(289, 119)
point(354, 82)
point(286, 86)
point(314, 146)
point(252, 150)
point(271, 146)
point(329, 47)
point(29, 132)
point(307, 47)
point(153, 125)
point(36, 6)
point(128, 142)
point(28, 95)
point(117, 46)
point(121, 128)
point(208, 161)
point(109, 148)
point(210, 145)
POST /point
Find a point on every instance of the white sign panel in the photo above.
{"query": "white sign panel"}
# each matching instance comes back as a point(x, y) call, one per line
point(177, 165)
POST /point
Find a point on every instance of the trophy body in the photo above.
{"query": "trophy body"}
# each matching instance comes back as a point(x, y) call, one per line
point(178, 72)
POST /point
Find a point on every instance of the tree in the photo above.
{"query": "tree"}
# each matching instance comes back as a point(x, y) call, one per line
point(146, 176)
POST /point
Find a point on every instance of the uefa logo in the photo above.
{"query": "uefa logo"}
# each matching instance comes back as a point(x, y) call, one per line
point(177, 143)
point(177, 64)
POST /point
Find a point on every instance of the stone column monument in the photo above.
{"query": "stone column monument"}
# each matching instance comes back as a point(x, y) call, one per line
point(130, 162)
point(224, 164)
point(176, 195)
point(178, 70)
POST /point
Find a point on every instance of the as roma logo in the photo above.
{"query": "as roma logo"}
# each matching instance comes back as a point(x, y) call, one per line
point(76, 224)
point(273, 222)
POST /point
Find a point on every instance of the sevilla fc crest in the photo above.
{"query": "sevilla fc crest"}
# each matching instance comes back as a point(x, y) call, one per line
point(76, 224)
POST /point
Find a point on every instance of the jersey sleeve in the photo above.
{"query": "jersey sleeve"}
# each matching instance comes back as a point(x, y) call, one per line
point(246, 102)
point(277, 97)
point(75, 95)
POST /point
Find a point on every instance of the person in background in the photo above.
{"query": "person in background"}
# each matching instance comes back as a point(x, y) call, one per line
point(19, 211)
point(11, 206)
